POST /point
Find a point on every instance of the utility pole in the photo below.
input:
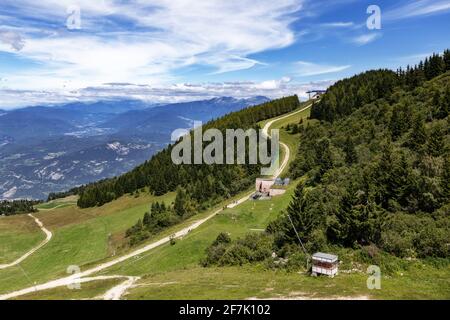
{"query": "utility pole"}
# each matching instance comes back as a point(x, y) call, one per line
point(301, 243)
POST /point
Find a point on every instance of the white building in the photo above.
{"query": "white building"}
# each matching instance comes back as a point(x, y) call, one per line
point(266, 187)
point(324, 263)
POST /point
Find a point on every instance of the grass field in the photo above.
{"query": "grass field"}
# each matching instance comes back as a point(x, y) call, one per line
point(89, 290)
point(256, 282)
point(80, 237)
point(18, 234)
point(251, 216)
point(58, 203)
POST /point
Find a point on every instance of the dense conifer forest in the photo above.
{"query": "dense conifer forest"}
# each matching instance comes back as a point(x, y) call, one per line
point(204, 184)
point(375, 167)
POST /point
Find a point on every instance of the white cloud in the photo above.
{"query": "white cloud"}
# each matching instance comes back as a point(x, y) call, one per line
point(366, 38)
point(418, 8)
point(338, 24)
point(157, 39)
point(162, 94)
point(305, 69)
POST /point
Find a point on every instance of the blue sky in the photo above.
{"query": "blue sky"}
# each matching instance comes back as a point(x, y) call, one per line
point(178, 50)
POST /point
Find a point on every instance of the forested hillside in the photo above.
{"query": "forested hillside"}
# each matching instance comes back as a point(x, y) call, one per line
point(375, 162)
point(380, 175)
point(203, 183)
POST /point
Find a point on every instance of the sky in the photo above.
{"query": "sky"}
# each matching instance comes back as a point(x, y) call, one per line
point(55, 51)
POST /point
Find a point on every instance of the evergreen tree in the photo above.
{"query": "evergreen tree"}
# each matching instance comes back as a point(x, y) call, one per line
point(160, 175)
point(400, 120)
point(304, 221)
point(445, 179)
point(435, 144)
point(443, 104)
point(147, 219)
point(418, 135)
point(447, 59)
point(324, 157)
point(350, 153)
point(180, 202)
point(384, 177)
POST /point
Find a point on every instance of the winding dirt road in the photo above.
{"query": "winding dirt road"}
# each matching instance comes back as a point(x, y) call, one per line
point(48, 236)
point(118, 291)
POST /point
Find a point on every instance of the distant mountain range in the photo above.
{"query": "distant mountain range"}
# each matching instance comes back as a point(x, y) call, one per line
point(47, 149)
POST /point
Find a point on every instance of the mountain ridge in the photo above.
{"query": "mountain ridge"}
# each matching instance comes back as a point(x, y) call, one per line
point(51, 149)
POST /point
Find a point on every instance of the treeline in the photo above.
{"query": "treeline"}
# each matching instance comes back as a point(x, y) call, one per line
point(9, 208)
point(347, 95)
point(428, 69)
point(205, 183)
point(64, 194)
point(161, 216)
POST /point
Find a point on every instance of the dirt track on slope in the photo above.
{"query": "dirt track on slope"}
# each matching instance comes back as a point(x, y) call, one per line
point(48, 236)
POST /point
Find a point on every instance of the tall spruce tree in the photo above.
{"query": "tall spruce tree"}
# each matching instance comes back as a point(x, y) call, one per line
point(435, 144)
point(305, 221)
point(418, 135)
point(350, 153)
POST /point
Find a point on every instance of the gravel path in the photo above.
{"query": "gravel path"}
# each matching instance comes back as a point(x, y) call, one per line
point(48, 236)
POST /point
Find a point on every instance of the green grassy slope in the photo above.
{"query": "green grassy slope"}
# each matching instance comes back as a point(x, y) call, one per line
point(18, 234)
point(80, 237)
point(186, 253)
point(255, 282)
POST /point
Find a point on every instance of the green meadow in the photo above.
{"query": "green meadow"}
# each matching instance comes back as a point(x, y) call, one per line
point(80, 237)
point(18, 234)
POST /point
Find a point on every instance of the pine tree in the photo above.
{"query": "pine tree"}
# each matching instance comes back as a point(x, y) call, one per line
point(435, 144)
point(385, 183)
point(446, 59)
point(180, 202)
point(401, 180)
point(444, 104)
point(304, 220)
point(445, 179)
point(418, 135)
point(350, 153)
point(147, 219)
point(400, 121)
